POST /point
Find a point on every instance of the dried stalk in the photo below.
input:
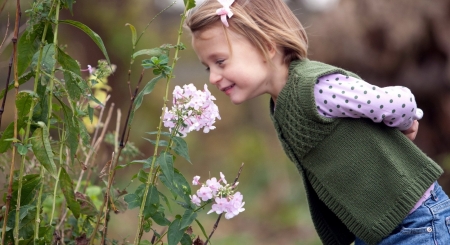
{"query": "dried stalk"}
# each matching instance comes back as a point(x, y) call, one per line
point(92, 148)
point(2, 109)
point(98, 143)
point(3, 6)
point(6, 33)
point(105, 203)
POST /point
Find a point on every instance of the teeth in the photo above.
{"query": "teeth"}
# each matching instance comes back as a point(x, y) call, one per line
point(227, 87)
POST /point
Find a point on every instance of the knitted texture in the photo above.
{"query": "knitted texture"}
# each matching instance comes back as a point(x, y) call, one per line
point(361, 178)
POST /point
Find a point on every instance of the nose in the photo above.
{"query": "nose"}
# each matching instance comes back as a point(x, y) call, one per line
point(214, 77)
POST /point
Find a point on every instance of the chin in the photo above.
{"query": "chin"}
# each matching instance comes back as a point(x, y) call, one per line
point(237, 101)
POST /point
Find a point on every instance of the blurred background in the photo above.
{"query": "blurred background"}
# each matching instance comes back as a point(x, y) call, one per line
point(400, 42)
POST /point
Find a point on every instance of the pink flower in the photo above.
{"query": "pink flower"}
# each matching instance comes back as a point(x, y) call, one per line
point(192, 110)
point(220, 205)
point(195, 180)
point(222, 177)
point(235, 206)
point(213, 184)
point(205, 193)
point(195, 200)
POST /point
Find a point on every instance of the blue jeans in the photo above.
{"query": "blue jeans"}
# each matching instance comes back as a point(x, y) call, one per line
point(427, 225)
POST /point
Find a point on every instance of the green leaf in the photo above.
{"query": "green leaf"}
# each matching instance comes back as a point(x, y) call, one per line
point(8, 133)
point(146, 90)
point(201, 227)
point(22, 79)
point(162, 133)
point(68, 4)
point(160, 219)
point(133, 200)
point(25, 210)
point(68, 63)
point(30, 183)
point(90, 113)
point(175, 233)
point(166, 200)
point(138, 100)
point(26, 48)
point(133, 34)
point(188, 217)
point(40, 112)
point(151, 202)
point(87, 207)
point(67, 189)
point(189, 4)
point(94, 36)
point(165, 161)
point(72, 129)
point(142, 176)
point(23, 105)
point(178, 187)
point(150, 52)
point(42, 148)
point(181, 148)
point(186, 239)
point(72, 74)
point(21, 149)
point(48, 58)
point(162, 143)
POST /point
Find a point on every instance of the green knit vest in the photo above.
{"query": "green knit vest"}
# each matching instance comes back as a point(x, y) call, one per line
point(361, 178)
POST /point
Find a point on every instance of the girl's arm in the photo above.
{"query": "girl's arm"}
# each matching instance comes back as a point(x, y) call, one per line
point(337, 95)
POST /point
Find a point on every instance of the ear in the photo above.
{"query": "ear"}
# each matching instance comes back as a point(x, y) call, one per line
point(272, 50)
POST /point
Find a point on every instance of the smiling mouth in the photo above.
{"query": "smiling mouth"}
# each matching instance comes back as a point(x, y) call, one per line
point(227, 88)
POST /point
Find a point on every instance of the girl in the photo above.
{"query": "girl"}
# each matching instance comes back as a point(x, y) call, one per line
point(365, 181)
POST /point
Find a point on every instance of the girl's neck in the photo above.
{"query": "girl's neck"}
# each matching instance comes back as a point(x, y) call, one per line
point(279, 79)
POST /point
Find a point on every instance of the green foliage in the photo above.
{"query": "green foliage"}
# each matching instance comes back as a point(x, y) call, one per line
point(52, 142)
point(94, 36)
point(42, 149)
point(67, 190)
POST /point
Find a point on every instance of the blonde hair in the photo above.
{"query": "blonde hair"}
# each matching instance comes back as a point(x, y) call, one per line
point(263, 22)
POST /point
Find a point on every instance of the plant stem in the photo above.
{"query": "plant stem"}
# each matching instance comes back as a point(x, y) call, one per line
point(16, 86)
point(38, 206)
point(11, 172)
point(55, 190)
point(139, 231)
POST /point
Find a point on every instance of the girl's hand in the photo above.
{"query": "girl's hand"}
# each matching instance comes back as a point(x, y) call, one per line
point(412, 131)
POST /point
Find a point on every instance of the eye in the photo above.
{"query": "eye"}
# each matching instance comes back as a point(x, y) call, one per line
point(219, 62)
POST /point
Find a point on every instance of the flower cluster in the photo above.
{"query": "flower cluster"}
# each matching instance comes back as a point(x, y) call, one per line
point(192, 110)
point(225, 199)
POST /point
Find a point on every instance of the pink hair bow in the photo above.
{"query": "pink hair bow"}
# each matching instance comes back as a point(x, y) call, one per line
point(225, 11)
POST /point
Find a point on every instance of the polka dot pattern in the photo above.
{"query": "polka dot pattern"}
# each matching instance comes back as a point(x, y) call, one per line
point(337, 95)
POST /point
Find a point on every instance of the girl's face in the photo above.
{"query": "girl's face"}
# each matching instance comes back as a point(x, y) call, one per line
point(241, 72)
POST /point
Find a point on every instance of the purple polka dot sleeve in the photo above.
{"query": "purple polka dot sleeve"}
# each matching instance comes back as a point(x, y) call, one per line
point(337, 95)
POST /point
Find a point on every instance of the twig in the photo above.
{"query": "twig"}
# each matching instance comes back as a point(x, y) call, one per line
point(3, 6)
point(220, 215)
point(105, 202)
point(6, 32)
point(90, 152)
point(124, 139)
point(9, 38)
point(98, 142)
point(2, 109)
